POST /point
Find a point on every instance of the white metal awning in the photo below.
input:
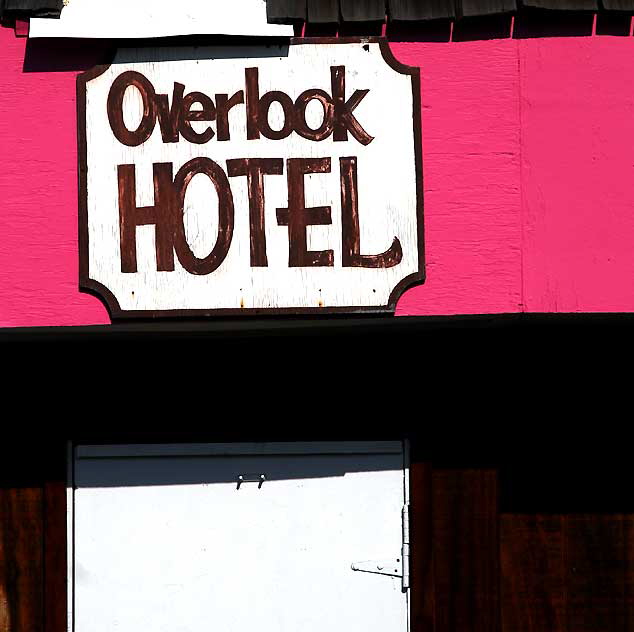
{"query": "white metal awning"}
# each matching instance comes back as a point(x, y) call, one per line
point(158, 18)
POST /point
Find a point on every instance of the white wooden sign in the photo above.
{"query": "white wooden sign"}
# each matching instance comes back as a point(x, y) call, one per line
point(226, 180)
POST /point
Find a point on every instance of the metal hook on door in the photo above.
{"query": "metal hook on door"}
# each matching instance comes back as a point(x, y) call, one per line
point(251, 478)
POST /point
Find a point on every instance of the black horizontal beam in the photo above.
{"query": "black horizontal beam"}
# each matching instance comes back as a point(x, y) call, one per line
point(565, 325)
point(468, 387)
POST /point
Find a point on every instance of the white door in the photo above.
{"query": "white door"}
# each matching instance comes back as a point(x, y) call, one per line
point(168, 538)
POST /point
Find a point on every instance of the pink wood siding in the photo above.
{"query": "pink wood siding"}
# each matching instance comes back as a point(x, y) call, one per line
point(528, 151)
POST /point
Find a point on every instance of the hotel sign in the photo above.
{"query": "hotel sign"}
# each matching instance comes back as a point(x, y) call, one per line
point(268, 179)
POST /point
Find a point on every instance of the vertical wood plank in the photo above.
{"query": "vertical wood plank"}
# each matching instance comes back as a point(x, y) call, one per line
point(55, 547)
point(469, 8)
point(413, 10)
point(421, 561)
point(285, 10)
point(466, 550)
point(628, 556)
point(532, 573)
point(595, 573)
point(21, 560)
point(323, 11)
point(362, 10)
point(55, 551)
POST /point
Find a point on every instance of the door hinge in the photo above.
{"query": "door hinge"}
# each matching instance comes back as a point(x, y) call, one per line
point(382, 567)
point(396, 567)
point(405, 547)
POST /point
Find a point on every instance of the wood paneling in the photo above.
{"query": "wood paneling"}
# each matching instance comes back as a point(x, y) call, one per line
point(473, 569)
point(595, 573)
point(568, 572)
point(421, 537)
point(532, 573)
point(21, 560)
point(465, 519)
point(55, 566)
point(628, 555)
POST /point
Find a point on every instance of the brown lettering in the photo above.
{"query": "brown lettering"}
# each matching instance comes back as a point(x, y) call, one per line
point(208, 113)
point(169, 117)
point(351, 250)
point(258, 109)
point(263, 115)
point(327, 126)
point(214, 259)
point(344, 119)
point(297, 217)
point(114, 108)
point(131, 216)
point(251, 78)
point(255, 169)
point(223, 107)
point(175, 120)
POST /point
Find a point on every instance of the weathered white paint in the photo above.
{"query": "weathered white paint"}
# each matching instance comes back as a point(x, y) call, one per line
point(386, 178)
point(158, 18)
point(171, 544)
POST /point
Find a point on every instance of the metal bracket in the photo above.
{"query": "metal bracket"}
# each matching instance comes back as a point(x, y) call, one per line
point(251, 478)
point(386, 567)
point(398, 567)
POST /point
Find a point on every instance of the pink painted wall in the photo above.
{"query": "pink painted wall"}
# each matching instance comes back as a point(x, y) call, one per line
point(528, 150)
